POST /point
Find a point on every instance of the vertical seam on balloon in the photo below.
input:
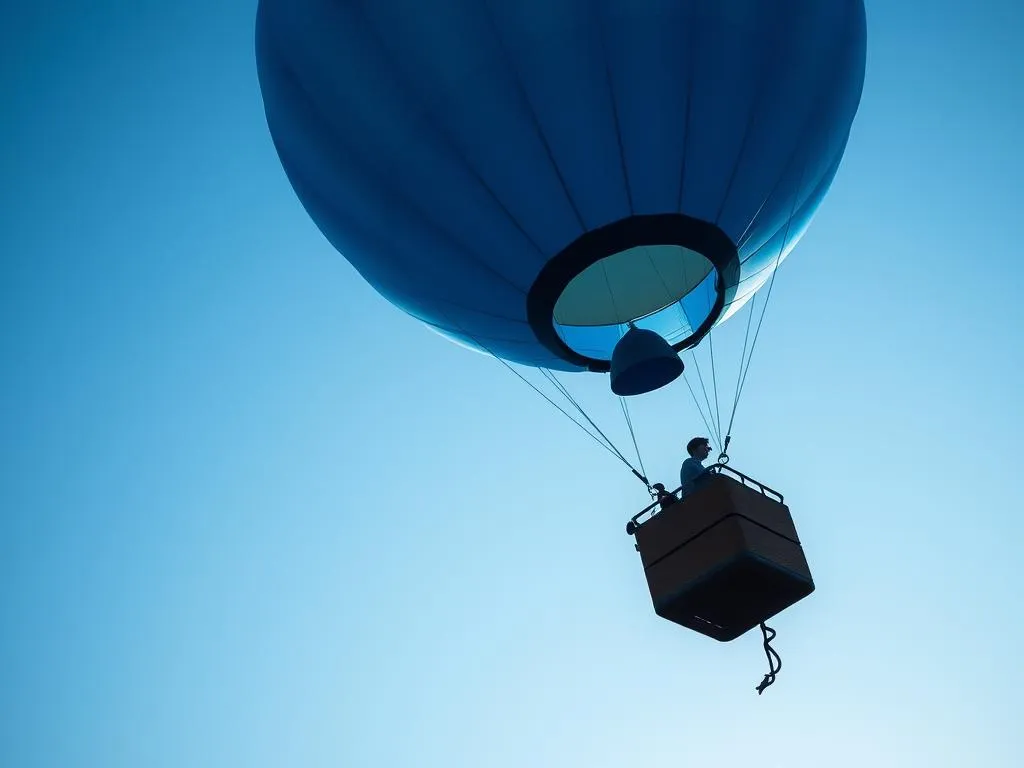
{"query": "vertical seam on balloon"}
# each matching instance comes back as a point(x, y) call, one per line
point(798, 207)
point(751, 119)
point(410, 206)
point(533, 116)
point(822, 86)
point(310, 191)
point(622, 154)
point(446, 139)
point(837, 158)
point(690, 65)
point(743, 243)
point(764, 306)
point(615, 112)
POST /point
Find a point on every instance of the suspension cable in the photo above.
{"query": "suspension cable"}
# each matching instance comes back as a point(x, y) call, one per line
point(608, 446)
point(753, 344)
point(745, 367)
point(714, 383)
point(550, 376)
point(606, 443)
point(642, 476)
point(707, 400)
point(632, 434)
point(739, 375)
point(744, 370)
point(699, 409)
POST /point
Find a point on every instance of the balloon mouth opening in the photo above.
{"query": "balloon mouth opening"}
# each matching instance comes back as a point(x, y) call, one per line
point(668, 273)
point(668, 289)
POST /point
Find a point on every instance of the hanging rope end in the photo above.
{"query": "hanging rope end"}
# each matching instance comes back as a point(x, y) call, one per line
point(774, 660)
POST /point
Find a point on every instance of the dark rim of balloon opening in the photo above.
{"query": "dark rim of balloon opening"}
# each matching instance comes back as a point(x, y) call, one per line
point(655, 229)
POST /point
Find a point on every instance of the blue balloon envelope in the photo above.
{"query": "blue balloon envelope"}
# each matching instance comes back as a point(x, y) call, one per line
point(530, 177)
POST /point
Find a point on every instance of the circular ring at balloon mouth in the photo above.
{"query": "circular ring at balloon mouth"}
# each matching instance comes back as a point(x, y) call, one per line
point(676, 229)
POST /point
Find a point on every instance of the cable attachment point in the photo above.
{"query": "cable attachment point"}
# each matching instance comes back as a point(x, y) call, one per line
point(723, 457)
point(642, 479)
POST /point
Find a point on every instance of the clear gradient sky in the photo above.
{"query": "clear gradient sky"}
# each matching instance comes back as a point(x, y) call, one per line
point(253, 516)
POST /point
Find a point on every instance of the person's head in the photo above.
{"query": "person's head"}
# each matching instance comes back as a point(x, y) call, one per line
point(699, 448)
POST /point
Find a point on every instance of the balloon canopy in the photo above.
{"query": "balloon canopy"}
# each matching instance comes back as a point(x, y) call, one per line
point(530, 177)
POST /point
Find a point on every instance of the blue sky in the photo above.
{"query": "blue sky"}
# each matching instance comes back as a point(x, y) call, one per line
point(252, 515)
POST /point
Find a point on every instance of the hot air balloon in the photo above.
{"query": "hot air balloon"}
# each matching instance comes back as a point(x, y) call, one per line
point(574, 185)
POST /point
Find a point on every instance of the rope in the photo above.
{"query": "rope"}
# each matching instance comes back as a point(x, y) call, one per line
point(550, 376)
point(714, 385)
point(714, 377)
point(739, 375)
point(704, 389)
point(697, 404)
point(774, 660)
point(632, 434)
point(608, 445)
point(744, 370)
